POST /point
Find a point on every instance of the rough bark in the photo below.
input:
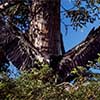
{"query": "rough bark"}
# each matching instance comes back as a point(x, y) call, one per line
point(45, 27)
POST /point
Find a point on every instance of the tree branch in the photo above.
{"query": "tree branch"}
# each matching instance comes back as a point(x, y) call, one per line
point(8, 4)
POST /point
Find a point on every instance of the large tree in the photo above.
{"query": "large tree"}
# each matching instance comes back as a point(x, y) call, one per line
point(30, 31)
point(43, 38)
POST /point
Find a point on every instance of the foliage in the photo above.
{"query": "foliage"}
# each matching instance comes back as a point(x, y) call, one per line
point(42, 85)
point(36, 85)
point(17, 14)
point(82, 12)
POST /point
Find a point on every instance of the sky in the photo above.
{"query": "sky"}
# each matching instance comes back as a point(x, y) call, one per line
point(73, 37)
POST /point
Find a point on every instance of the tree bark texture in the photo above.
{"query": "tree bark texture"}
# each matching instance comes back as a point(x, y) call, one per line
point(45, 27)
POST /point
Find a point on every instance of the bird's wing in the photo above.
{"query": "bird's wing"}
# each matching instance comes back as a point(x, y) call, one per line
point(82, 53)
point(18, 49)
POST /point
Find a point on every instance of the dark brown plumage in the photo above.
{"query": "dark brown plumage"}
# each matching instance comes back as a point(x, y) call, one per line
point(81, 54)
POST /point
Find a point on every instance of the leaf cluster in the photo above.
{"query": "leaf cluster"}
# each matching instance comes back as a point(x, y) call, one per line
point(82, 12)
point(41, 84)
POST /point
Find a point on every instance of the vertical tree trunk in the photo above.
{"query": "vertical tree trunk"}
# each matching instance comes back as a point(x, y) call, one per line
point(45, 27)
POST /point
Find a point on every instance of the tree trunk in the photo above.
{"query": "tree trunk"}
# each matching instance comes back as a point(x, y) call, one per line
point(44, 30)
